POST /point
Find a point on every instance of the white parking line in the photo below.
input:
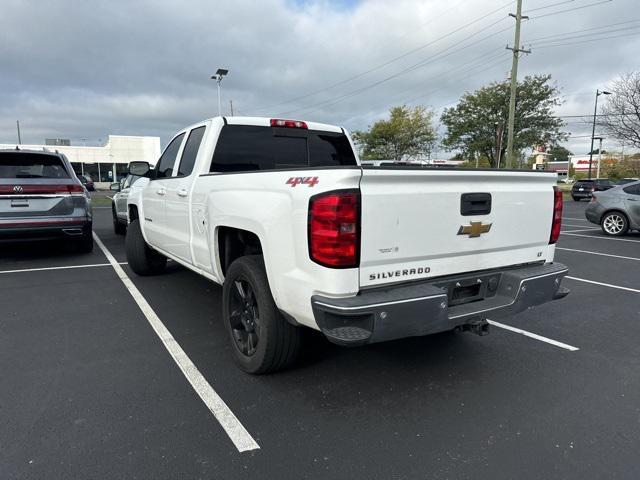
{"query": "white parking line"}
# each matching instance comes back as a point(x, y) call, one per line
point(571, 218)
point(65, 267)
point(579, 230)
point(597, 253)
point(567, 225)
point(534, 336)
point(634, 290)
point(601, 238)
point(229, 422)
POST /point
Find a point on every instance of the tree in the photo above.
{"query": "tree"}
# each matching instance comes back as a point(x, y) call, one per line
point(407, 134)
point(477, 124)
point(626, 168)
point(558, 153)
point(621, 113)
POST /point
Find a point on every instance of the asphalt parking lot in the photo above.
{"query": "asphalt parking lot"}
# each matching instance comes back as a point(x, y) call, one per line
point(89, 389)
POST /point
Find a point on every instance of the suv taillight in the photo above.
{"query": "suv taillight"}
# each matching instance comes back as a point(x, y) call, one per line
point(334, 229)
point(556, 223)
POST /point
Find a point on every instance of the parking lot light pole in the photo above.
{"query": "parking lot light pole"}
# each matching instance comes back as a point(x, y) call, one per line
point(599, 156)
point(221, 72)
point(593, 131)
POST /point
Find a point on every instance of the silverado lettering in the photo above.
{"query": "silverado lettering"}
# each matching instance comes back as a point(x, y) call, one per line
point(399, 273)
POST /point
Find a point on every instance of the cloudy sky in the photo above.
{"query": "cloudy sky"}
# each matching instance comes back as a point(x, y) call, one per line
point(87, 69)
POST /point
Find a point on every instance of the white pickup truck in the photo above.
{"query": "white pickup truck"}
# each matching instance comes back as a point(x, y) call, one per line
point(282, 214)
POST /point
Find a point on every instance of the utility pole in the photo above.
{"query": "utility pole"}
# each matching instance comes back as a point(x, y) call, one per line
point(499, 139)
point(514, 80)
point(18, 125)
point(599, 157)
point(231, 105)
point(593, 130)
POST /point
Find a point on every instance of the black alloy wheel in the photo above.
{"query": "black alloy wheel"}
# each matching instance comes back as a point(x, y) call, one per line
point(244, 317)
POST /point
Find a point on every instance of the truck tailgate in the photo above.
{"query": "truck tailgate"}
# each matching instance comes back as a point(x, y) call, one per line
point(415, 224)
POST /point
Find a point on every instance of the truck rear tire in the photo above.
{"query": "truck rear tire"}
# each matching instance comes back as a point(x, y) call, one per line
point(262, 341)
point(142, 259)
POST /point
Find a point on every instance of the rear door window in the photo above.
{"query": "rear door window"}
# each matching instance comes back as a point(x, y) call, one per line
point(31, 165)
point(190, 152)
point(168, 158)
point(247, 148)
point(632, 189)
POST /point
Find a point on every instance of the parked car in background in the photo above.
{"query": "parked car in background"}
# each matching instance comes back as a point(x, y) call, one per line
point(41, 198)
point(624, 181)
point(617, 210)
point(87, 182)
point(585, 188)
point(119, 201)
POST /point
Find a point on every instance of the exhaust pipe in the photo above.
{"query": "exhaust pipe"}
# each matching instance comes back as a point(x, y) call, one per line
point(72, 231)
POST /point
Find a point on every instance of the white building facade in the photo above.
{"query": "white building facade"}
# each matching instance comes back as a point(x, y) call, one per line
point(107, 163)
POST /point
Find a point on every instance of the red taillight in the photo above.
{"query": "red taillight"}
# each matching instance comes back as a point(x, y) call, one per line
point(334, 229)
point(39, 189)
point(556, 223)
point(75, 188)
point(278, 122)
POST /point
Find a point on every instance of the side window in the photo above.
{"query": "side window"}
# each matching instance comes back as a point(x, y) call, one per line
point(633, 189)
point(190, 152)
point(168, 158)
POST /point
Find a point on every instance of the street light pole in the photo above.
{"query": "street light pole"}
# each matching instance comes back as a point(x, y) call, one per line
point(221, 72)
point(599, 157)
point(593, 130)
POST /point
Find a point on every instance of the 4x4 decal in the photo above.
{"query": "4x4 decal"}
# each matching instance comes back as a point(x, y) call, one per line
point(311, 181)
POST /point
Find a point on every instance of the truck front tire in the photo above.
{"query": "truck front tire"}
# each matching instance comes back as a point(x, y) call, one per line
point(141, 258)
point(261, 339)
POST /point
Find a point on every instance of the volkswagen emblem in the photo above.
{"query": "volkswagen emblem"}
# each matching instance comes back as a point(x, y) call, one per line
point(18, 189)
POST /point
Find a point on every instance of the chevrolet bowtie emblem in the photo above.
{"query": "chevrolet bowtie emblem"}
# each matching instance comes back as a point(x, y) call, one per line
point(475, 229)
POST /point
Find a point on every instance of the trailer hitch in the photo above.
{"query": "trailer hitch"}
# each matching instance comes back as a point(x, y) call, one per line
point(479, 327)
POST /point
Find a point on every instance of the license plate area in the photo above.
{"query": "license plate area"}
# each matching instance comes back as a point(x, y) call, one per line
point(19, 202)
point(471, 289)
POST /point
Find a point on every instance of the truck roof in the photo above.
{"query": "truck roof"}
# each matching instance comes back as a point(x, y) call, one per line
point(266, 122)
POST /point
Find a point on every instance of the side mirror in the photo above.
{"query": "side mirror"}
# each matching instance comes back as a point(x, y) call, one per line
point(141, 169)
point(115, 187)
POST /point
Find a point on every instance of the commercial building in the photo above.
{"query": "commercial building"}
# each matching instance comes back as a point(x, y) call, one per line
point(106, 163)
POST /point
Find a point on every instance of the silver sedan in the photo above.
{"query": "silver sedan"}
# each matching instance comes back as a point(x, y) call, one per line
point(616, 210)
point(119, 201)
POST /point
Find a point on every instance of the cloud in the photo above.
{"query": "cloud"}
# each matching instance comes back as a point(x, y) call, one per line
point(89, 69)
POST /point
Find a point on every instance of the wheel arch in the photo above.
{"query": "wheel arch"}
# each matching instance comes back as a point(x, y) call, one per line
point(233, 243)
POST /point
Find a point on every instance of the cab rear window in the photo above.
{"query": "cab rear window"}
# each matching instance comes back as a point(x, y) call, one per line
point(247, 148)
point(31, 165)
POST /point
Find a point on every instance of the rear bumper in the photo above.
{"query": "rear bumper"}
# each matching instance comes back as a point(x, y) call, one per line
point(594, 213)
point(430, 307)
point(44, 229)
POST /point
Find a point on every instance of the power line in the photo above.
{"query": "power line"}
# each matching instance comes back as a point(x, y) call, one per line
point(595, 35)
point(571, 9)
point(587, 41)
point(481, 60)
point(600, 27)
point(393, 60)
point(422, 63)
point(549, 6)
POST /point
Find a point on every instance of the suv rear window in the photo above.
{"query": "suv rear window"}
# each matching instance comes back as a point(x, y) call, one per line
point(31, 165)
point(583, 183)
point(246, 148)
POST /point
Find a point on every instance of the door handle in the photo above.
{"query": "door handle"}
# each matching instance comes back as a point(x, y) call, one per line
point(183, 193)
point(161, 191)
